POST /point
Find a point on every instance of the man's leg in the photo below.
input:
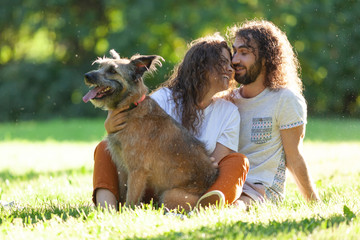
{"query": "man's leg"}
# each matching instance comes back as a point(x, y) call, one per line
point(252, 192)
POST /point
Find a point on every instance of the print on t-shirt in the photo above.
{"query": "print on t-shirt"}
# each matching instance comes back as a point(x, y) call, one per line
point(261, 130)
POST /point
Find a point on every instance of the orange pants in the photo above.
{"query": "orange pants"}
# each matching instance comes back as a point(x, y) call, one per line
point(233, 169)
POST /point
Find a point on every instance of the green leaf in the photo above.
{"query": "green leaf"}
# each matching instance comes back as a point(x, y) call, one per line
point(348, 213)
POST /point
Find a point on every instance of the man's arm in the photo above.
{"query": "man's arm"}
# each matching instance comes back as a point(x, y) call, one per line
point(292, 140)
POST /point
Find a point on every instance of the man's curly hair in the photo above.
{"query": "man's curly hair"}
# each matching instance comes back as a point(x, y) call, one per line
point(189, 81)
point(281, 63)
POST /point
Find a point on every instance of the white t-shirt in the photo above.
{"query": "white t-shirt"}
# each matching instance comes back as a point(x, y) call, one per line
point(220, 124)
point(263, 117)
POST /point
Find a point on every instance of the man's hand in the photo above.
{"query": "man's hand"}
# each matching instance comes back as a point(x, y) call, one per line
point(116, 120)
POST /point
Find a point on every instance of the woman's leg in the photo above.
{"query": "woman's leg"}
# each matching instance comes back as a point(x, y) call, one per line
point(233, 169)
point(105, 178)
point(106, 199)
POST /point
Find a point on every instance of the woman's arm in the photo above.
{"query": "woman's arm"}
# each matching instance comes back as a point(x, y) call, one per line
point(220, 152)
point(116, 120)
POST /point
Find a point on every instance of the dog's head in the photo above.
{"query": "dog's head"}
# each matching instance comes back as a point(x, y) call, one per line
point(118, 82)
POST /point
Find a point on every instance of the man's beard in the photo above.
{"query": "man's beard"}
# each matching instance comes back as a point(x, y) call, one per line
point(250, 75)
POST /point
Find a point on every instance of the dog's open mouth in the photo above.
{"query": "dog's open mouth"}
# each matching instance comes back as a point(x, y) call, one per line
point(97, 93)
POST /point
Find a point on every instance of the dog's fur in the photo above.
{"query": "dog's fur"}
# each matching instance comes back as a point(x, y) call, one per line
point(153, 150)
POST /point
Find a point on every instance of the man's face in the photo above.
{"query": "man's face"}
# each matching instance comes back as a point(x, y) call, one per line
point(246, 61)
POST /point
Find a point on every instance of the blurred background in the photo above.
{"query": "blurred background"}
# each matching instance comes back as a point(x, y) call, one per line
point(47, 46)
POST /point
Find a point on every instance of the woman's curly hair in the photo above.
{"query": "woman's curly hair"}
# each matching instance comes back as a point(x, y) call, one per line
point(281, 63)
point(189, 81)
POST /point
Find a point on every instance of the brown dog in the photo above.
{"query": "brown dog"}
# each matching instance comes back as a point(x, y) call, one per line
point(153, 150)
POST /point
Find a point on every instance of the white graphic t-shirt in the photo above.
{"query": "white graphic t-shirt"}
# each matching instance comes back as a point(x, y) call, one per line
point(221, 121)
point(262, 118)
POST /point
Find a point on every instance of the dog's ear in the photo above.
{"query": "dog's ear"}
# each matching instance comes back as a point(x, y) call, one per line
point(114, 54)
point(146, 64)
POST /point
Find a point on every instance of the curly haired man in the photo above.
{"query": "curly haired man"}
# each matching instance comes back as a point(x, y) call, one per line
point(273, 111)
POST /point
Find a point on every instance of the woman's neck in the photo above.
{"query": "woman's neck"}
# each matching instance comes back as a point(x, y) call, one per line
point(206, 101)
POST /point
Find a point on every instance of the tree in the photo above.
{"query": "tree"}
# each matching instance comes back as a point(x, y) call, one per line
point(47, 46)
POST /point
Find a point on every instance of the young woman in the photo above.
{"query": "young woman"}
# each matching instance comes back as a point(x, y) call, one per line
point(188, 96)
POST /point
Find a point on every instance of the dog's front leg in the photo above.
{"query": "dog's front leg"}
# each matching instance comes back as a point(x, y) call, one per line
point(136, 185)
point(123, 176)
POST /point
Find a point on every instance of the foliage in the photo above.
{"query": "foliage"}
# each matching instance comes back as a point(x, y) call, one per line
point(46, 47)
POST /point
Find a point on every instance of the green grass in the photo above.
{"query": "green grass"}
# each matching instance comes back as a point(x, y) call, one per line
point(47, 169)
point(73, 130)
point(333, 130)
point(85, 130)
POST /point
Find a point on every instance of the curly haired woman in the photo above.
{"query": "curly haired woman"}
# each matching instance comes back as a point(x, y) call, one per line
point(273, 111)
point(188, 97)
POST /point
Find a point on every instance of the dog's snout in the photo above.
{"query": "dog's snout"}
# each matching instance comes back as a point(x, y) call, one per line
point(89, 77)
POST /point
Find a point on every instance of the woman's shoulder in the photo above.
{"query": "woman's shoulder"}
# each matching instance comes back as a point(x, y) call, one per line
point(223, 102)
point(226, 113)
point(164, 91)
point(224, 107)
point(161, 95)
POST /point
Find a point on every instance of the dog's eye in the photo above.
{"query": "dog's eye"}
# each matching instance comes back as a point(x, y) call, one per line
point(112, 70)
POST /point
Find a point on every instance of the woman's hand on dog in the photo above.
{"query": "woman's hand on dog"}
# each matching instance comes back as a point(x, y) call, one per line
point(214, 162)
point(116, 120)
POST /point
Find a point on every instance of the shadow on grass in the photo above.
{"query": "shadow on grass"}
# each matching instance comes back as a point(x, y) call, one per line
point(31, 175)
point(31, 215)
point(236, 230)
point(48, 209)
point(243, 230)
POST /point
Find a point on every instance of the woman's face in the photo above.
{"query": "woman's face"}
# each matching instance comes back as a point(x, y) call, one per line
point(219, 81)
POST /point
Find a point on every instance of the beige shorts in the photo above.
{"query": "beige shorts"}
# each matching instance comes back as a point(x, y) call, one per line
point(259, 193)
point(256, 191)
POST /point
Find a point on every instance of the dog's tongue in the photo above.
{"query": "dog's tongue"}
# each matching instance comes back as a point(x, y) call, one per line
point(91, 94)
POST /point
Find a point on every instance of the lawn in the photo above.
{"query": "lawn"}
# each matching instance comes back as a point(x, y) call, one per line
point(46, 168)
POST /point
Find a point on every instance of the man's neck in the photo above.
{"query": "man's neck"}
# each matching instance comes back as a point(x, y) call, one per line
point(253, 89)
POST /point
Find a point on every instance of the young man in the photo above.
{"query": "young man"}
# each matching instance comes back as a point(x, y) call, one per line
point(273, 111)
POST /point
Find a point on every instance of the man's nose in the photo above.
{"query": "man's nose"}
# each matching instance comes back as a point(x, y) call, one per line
point(230, 69)
point(235, 59)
